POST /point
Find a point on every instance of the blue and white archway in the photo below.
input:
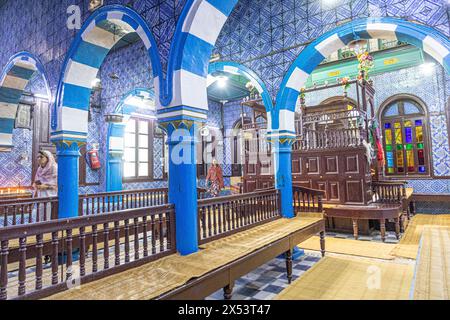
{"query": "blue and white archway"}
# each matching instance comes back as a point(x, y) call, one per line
point(99, 34)
point(14, 79)
point(137, 100)
point(197, 30)
point(424, 37)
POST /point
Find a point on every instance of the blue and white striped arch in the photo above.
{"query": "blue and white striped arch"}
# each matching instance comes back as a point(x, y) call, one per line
point(185, 96)
point(101, 32)
point(14, 79)
point(426, 38)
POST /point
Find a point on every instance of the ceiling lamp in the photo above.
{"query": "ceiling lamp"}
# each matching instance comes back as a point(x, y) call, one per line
point(222, 81)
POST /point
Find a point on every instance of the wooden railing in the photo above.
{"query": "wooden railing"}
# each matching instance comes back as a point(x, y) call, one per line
point(307, 200)
point(330, 139)
point(24, 211)
point(98, 203)
point(223, 216)
point(389, 191)
point(98, 246)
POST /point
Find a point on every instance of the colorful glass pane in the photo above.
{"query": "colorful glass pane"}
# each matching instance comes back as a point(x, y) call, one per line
point(418, 123)
point(388, 134)
point(421, 157)
point(422, 170)
point(410, 160)
point(390, 170)
point(409, 147)
point(408, 135)
point(419, 134)
point(410, 108)
point(400, 170)
point(389, 148)
point(399, 147)
point(420, 146)
point(390, 159)
point(400, 162)
point(387, 125)
point(408, 123)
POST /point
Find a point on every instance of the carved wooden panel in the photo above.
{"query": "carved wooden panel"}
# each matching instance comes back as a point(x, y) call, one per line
point(312, 165)
point(251, 169)
point(351, 164)
point(331, 165)
point(322, 185)
point(297, 166)
point(333, 193)
point(354, 191)
point(250, 185)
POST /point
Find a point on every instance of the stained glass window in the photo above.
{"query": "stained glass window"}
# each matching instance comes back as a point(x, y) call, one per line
point(405, 142)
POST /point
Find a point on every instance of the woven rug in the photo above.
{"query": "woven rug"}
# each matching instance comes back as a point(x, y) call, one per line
point(432, 280)
point(163, 275)
point(409, 244)
point(351, 247)
point(351, 279)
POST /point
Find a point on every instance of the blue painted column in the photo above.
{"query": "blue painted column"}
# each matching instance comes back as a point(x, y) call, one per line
point(114, 164)
point(68, 154)
point(282, 150)
point(183, 182)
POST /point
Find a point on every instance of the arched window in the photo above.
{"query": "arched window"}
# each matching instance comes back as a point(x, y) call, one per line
point(404, 125)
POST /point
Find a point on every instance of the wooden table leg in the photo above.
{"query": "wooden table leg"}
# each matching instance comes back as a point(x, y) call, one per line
point(355, 228)
point(289, 265)
point(397, 228)
point(383, 229)
point(322, 243)
point(228, 291)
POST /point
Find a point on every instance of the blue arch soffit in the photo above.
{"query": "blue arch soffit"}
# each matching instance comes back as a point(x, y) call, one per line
point(85, 56)
point(236, 68)
point(115, 137)
point(14, 78)
point(431, 41)
point(197, 30)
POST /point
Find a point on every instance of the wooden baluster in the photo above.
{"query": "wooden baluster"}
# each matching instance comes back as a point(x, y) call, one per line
point(219, 216)
point(14, 215)
point(69, 262)
point(5, 216)
point(106, 245)
point(233, 215)
point(55, 244)
point(94, 249)
point(39, 254)
point(82, 251)
point(116, 243)
point(136, 238)
point(203, 222)
point(22, 264)
point(127, 240)
point(29, 211)
point(161, 231)
point(152, 218)
point(144, 231)
point(170, 239)
point(4, 269)
point(208, 208)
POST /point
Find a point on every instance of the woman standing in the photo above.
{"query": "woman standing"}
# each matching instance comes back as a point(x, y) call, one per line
point(214, 180)
point(45, 182)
